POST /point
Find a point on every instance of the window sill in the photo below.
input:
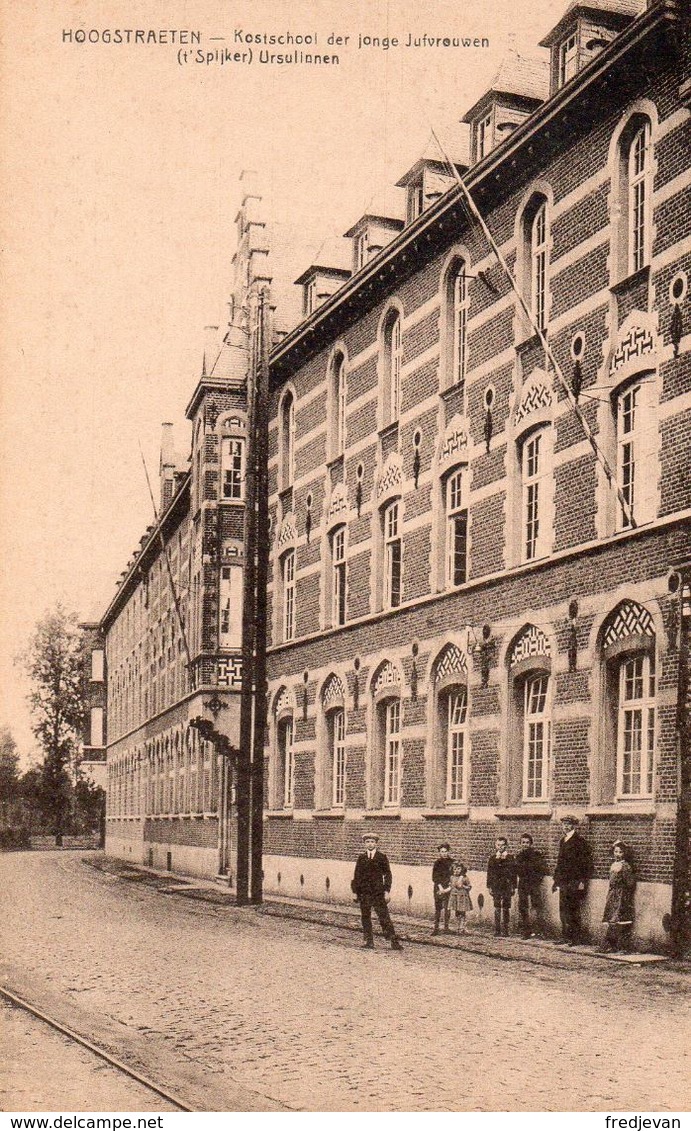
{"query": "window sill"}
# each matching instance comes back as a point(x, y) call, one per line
point(279, 814)
point(528, 810)
point(630, 280)
point(386, 814)
point(629, 808)
point(329, 815)
point(449, 810)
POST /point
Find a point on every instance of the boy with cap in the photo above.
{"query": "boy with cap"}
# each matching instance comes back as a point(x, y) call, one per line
point(371, 886)
point(441, 881)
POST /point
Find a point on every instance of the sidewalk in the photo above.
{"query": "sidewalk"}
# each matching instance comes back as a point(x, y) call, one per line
point(411, 930)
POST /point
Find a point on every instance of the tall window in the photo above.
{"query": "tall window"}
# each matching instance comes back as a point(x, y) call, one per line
point(456, 531)
point(538, 265)
point(230, 607)
point(628, 444)
point(338, 581)
point(287, 762)
point(392, 752)
point(288, 577)
point(232, 468)
point(638, 177)
point(336, 724)
point(338, 407)
point(536, 737)
point(535, 470)
point(636, 726)
point(392, 360)
point(460, 323)
point(392, 556)
point(97, 665)
point(456, 743)
point(287, 441)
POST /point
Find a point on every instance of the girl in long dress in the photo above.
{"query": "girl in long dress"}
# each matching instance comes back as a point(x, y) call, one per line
point(619, 912)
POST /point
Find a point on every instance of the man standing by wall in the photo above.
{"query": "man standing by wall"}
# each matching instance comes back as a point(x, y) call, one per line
point(571, 875)
point(372, 885)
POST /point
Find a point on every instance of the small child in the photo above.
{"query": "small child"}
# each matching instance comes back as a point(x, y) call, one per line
point(459, 900)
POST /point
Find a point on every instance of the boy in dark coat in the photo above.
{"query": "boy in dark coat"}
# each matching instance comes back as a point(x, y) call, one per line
point(574, 869)
point(441, 879)
point(501, 882)
point(530, 869)
point(371, 885)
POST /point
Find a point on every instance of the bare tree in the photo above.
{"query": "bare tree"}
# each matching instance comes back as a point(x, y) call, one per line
point(54, 663)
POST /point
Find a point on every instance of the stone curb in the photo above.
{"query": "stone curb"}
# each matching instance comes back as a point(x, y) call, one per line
point(536, 951)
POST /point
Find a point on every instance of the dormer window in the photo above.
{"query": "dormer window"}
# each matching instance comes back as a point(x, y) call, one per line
point(483, 137)
point(416, 201)
point(361, 250)
point(568, 59)
point(310, 297)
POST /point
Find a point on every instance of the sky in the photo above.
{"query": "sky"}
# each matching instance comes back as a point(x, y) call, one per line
point(122, 165)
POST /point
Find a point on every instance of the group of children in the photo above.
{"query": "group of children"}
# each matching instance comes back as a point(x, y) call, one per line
point(524, 873)
point(505, 873)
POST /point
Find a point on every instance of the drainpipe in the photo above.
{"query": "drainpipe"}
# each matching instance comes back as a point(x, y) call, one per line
point(679, 583)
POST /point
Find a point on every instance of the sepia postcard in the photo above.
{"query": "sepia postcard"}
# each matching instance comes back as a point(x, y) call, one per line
point(345, 589)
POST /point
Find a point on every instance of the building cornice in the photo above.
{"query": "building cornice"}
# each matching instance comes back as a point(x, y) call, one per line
point(494, 176)
point(169, 520)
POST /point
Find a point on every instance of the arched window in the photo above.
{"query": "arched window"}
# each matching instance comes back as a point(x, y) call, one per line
point(337, 406)
point(391, 368)
point(384, 787)
point(456, 324)
point(287, 441)
point(331, 767)
point(632, 178)
point(529, 735)
point(533, 265)
point(626, 766)
point(282, 777)
point(449, 764)
point(638, 194)
point(538, 265)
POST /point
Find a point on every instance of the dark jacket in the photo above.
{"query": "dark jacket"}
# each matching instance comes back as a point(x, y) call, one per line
point(530, 868)
point(574, 861)
point(441, 872)
point(372, 877)
point(501, 874)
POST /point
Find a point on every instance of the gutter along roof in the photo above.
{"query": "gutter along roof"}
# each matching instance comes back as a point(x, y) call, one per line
point(495, 175)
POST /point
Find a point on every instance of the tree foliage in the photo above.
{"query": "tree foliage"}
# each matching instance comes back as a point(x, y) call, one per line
point(9, 769)
point(54, 662)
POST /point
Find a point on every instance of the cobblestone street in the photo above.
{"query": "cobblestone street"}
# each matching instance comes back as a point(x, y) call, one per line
point(239, 1011)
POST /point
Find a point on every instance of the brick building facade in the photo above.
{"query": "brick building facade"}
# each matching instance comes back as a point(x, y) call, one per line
point(173, 629)
point(472, 625)
point(480, 508)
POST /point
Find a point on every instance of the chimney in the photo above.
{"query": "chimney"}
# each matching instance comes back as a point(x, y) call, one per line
point(167, 466)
